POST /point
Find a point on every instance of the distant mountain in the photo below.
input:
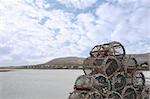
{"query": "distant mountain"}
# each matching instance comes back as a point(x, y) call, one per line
point(66, 61)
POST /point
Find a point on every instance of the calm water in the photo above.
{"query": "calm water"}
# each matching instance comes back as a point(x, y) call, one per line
point(39, 84)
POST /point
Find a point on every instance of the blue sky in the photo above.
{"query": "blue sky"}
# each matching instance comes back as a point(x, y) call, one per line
point(36, 31)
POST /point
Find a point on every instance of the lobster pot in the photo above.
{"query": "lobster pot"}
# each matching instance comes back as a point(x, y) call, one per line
point(95, 95)
point(129, 93)
point(84, 82)
point(111, 66)
point(86, 66)
point(93, 65)
point(146, 93)
point(102, 84)
point(107, 66)
point(114, 95)
point(129, 80)
point(118, 82)
point(138, 81)
point(118, 49)
point(130, 68)
point(85, 95)
point(108, 49)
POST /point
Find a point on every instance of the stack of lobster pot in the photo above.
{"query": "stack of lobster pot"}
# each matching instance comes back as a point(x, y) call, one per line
point(109, 74)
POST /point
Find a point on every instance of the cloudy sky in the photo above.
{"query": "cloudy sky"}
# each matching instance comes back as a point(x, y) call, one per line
point(35, 31)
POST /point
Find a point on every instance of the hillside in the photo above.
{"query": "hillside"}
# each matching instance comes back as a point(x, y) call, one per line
point(66, 61)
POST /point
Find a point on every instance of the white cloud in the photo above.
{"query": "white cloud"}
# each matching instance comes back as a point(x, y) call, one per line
point(128, 20)
point(28, 41)
point(110, 13)
point(19, 30)
point(94, 31)
point(80, 4)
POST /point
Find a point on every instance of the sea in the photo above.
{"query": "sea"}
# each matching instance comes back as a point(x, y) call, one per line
point(40, 84)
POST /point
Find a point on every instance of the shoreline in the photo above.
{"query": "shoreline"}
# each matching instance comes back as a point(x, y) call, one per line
point(6, 70)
